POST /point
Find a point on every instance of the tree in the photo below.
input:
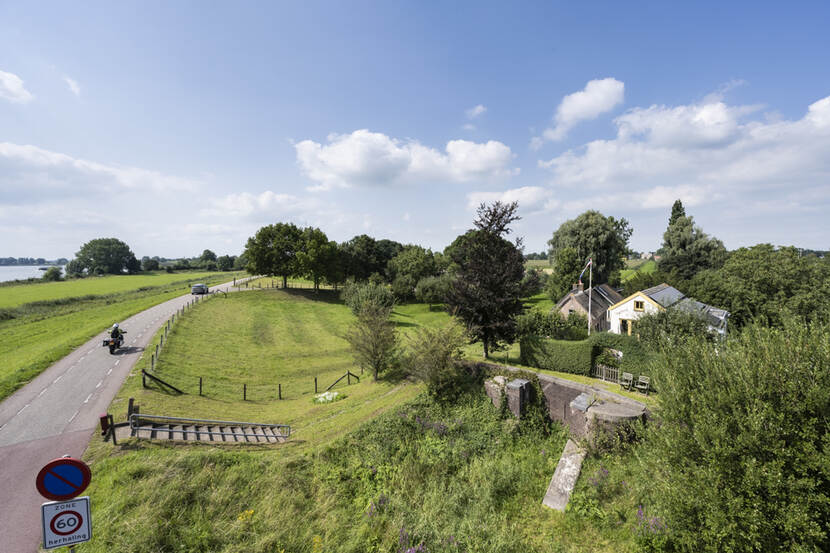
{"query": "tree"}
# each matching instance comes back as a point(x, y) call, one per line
point(409, 266)
point(317, 257)
point(373, 338)
point(272, 251)
point(604, 239)
point(52, 274)
point(566, 268)
point(106, 256)
point(764, 282)
point(358, 294)
point(432, 290)
point(686, 248)
point(225, 262)
point(486, 291)
point(148, 264)
point(206, 256)
point(677, 211)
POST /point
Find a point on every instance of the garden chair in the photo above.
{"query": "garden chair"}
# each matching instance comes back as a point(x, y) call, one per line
point(626, 381)
point(642, 384)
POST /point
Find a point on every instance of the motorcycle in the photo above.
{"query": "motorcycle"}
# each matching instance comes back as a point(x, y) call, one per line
point(114, 343)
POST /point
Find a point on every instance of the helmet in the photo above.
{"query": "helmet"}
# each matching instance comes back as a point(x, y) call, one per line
point(114, 325)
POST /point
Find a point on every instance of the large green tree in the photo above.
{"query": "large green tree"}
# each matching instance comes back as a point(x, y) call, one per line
point(592, 234)
point(566, 268)
point(408, 267)
point(272, 251)
point(686, 248)
point(318, 257)
point(767, 283)
point(366, 256)
point(106, 256)
point(486, 291)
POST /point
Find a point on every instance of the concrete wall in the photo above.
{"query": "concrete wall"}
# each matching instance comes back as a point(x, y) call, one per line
point(577, 406)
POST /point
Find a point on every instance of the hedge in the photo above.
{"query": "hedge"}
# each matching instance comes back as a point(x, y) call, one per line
point(558, 355)
point(636, 357)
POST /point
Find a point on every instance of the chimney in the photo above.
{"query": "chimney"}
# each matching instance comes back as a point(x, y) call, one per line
point(578, 287)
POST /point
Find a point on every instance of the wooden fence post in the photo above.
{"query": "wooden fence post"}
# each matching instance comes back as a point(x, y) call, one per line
point(348, 377)
point(315, 384)
point(244, 392)
point(279, 391)
point(152, 362)
point(200, 385)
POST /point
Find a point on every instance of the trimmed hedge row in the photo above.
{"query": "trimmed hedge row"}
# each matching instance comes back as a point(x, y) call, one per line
point(559, 355)
point(578, 357)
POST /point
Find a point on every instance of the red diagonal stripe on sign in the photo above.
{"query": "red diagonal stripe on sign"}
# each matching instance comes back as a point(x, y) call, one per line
point(62, 479)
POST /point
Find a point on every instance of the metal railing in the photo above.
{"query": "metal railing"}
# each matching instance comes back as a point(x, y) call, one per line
point(137, 420)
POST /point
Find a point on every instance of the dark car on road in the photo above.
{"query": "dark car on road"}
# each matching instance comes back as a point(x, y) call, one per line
point(199, 289)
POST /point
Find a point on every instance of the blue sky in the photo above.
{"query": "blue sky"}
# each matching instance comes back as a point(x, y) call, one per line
point(183, 126)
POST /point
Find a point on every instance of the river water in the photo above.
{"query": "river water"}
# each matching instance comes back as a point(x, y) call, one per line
point(20, 272)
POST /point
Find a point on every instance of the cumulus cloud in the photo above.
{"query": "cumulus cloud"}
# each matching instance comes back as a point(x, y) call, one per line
point(12, 89)
point(365, 158)
point(475, 111)
point(530, 198)
point(30, 172)
point(705, 153)
point(599, 96)
point(73, 86)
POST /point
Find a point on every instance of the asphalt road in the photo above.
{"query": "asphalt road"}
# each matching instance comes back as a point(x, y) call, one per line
point(57, 414)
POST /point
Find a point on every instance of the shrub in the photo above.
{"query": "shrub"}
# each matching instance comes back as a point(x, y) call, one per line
point(373, 338)
point(551, 324)
point(672, 325)
point(53, 274)
point(435, 356)
point(433, 289)
point(558, 355)
point(743, 447)
point(358, 294)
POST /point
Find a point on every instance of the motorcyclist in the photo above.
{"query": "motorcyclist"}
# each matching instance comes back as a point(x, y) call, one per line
point(117, 333)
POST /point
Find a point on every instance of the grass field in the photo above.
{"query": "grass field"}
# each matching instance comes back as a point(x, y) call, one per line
point(381, 470)
point(41, 323)
point(635, 266)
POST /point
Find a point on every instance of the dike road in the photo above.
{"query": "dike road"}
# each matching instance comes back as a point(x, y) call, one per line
point(57, 414)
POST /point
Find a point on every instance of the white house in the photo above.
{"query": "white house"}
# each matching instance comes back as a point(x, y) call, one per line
point(622, 316)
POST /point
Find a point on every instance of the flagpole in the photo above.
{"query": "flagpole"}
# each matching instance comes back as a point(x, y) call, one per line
point(590, 287)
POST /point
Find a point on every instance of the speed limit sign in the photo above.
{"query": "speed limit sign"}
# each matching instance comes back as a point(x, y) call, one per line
point(66, 522)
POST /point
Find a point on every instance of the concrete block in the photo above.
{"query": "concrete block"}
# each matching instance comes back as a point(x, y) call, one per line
point(564, 479)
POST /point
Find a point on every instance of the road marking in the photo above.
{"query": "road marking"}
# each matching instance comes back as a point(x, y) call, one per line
point(99, 384)
point(56, 380)
point(43, 391)
point(70, 368)
point(81, 359)
point(73, 416)
point(24, 407)
point(109, 371)
point(116, 363)
point(90, 351)
point(88, 398)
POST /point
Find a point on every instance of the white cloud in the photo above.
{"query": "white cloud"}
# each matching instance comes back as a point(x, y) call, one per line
point(267, 203)
point(73, 86)
point(12, 89)
point(29, 172)
point(468, 127)
point(474, 112)
point(599, 96)
point(365, 158)
point(706, 153)
point(530, 198)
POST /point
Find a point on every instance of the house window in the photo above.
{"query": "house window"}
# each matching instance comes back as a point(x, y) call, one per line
point(570, 311)
point(639, 305)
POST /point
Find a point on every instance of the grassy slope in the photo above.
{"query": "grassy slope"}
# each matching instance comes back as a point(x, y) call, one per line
point(42, 333)
point(638, 266)
point(475, 487)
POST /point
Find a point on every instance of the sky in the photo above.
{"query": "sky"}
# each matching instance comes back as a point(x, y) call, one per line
point(183, 126)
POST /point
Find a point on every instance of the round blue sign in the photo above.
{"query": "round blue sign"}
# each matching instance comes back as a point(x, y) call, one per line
point(63, 479)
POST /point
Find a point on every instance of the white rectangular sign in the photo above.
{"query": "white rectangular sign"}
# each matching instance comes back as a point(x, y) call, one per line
point(66, 522)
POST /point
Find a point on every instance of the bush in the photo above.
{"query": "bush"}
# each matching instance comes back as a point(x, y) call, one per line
point(672, 325)
point(558, 355)
point(374, 339)
point(53, 274)
point(358, 294)
point(743, 448)
point(433, 289)
point(435, 356)
point(551, 324)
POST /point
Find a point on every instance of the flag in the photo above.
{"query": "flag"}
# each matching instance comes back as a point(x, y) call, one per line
point(585, 269)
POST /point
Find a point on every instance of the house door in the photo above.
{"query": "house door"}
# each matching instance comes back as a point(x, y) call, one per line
point(625, 326)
